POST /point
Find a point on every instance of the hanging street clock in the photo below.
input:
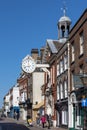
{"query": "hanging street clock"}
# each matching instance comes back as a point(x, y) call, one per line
point(28, 64)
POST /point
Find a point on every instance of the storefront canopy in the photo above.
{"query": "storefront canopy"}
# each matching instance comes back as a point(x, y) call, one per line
point(39, 105)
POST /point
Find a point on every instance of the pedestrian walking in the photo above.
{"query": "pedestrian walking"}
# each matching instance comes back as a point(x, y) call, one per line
point(17, 115)
point(38, 119)
point(48, 121)
point(43, 120)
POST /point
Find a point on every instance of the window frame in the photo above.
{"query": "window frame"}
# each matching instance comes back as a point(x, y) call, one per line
point(73, 52)
point(81, 42)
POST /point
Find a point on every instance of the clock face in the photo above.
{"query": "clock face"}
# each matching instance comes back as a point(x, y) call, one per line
point(28, 64)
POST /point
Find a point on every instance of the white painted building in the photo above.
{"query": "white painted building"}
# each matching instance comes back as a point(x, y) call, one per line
point(38, 99)
point(6, 104)
point(16, 96)
point(14, 100)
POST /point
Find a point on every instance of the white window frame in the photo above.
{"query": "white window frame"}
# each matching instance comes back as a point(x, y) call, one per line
point(65, 89)
point(73, 52)
point(58, 92)
point(64, 117)
point(22, 97)
point(61, 91)
point(81, 43)
point(65, 62)
point(58, 70)
point(61, 66)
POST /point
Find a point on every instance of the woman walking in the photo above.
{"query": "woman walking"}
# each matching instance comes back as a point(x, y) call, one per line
point(43, 120)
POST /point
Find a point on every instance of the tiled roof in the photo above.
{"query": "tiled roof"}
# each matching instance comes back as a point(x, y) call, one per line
point(54, 45)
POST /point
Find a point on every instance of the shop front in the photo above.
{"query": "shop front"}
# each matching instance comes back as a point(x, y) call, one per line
point(77, 104)
point(38, 110)
point(62, 113)
point(78, 109)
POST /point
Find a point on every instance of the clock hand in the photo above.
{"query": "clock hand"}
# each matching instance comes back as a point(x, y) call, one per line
point(28, 63)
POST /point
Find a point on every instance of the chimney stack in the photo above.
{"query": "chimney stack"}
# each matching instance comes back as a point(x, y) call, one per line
point(34, 53)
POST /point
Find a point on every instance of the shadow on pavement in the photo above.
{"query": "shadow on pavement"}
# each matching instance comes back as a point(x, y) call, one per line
point(1, 119)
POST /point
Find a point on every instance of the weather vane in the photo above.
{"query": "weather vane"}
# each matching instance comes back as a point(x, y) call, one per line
point(64, 8)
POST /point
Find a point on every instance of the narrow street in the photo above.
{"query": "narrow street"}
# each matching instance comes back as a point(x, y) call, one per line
point(21, 122)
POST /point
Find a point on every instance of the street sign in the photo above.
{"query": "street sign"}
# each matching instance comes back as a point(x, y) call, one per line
point(84, 102)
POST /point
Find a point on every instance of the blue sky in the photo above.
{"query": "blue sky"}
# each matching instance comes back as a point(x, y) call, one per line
point(26, 24)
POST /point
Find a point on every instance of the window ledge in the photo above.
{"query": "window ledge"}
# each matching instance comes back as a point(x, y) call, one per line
point(81, 55)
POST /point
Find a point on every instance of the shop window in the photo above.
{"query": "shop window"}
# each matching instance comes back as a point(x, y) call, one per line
point(64, 117)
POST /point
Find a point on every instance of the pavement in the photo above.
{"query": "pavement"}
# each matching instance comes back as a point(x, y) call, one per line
point(20, 121)
point(51, 128)
point(40, 127)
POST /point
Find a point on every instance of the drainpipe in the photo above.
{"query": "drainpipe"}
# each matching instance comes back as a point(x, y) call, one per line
point(69, 113)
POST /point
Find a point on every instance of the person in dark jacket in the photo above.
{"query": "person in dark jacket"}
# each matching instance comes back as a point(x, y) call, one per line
point(48, 121)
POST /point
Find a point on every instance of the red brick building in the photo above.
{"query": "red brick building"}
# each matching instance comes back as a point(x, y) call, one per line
point(78, 67)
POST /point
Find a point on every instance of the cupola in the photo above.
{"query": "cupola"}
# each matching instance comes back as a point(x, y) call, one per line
point(63, 27)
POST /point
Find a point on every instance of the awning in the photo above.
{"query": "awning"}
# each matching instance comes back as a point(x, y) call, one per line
point(64, 108)
point(60, 105)
point(39, 105)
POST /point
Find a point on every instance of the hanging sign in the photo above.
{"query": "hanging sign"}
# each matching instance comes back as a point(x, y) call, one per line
point(84, 102)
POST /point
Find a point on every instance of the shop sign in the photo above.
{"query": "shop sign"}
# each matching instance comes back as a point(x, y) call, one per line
point(84, 102)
